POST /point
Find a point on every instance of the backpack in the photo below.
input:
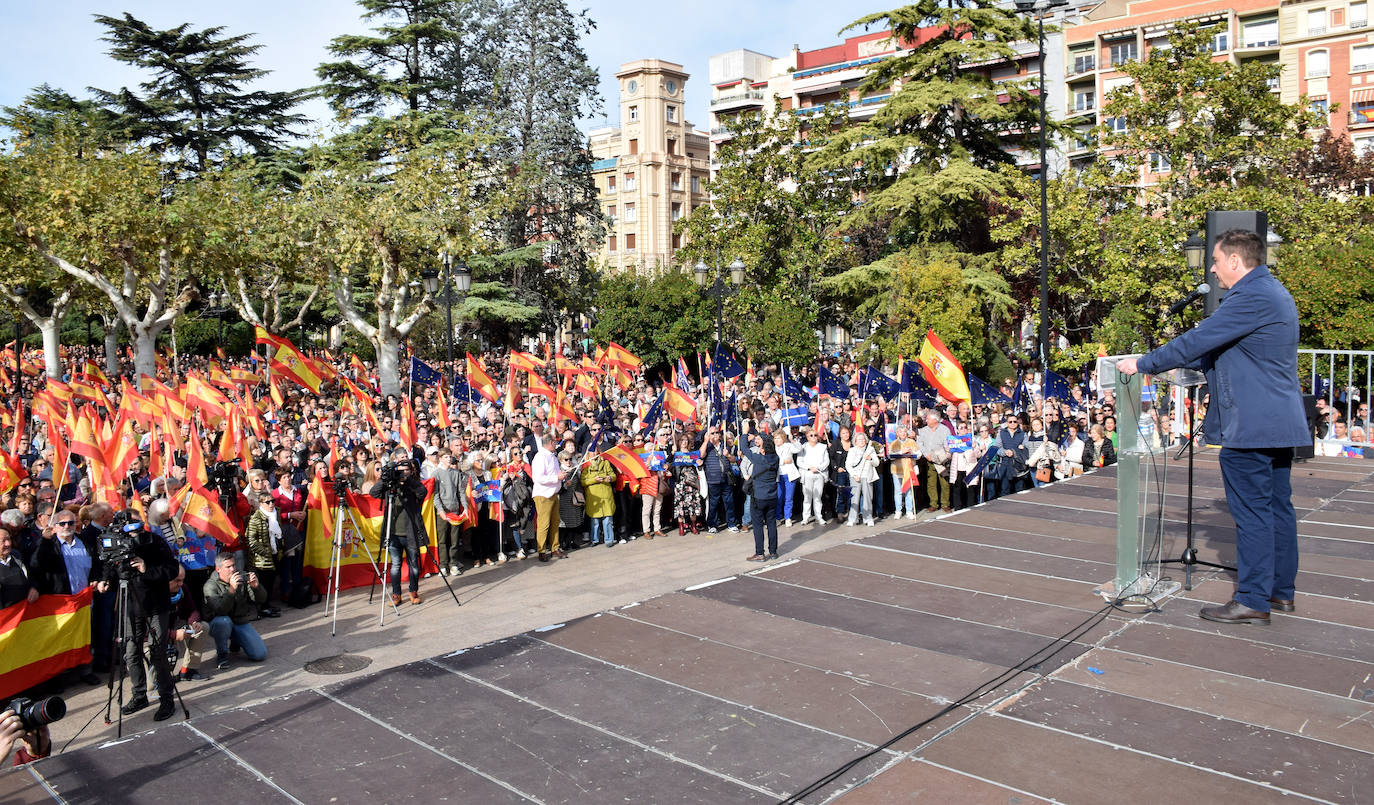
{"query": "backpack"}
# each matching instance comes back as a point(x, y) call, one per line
point(304, 594)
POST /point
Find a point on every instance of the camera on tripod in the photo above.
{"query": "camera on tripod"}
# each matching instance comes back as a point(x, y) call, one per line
point(225, 477)
point(118, 543)
point(393, 473)
point(34, 714)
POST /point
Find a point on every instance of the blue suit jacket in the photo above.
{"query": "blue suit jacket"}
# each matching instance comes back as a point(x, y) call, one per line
point(1248, 349)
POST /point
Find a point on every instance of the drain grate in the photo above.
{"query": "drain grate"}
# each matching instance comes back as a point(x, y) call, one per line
point(338, 664)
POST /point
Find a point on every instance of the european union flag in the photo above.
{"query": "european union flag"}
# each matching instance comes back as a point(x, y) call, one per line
point(1056, 386)
point(873, 383)
point(792, 387)
point(914, 383)
point(422, 373)
point(724, 364)
point(796, 417)
point(983, 463)
point(1021, 398)
point(731, 410)
point(832, 385)
point(462, 391)
point(651, 416)
point(983, 393)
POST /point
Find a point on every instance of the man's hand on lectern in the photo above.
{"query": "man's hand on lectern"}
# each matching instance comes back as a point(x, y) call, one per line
point(1126, 366)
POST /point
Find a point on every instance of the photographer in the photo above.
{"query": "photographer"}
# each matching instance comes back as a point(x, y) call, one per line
point(403, 495)
point(187, 626)
point(147, 564)
point(230, 601)
point(33, 744)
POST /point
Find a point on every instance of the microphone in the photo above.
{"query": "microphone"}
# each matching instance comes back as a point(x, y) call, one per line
point(1197, 293)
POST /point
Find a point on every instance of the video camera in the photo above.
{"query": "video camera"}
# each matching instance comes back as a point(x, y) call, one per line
point(225, 477)
point(34, 714)
point(393, 473)
point(118, 542)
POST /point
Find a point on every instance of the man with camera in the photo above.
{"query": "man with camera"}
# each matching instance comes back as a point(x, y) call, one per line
point(402, 495)
point(230, 601)
point(145, 563)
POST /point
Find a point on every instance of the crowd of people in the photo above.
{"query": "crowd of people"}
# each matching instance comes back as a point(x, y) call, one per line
point(762, 461)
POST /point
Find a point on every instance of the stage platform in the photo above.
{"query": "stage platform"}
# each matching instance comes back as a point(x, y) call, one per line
point(749, 686)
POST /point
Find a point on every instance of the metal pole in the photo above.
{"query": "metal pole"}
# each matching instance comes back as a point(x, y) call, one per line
point(1044, 215)
point(448, 312)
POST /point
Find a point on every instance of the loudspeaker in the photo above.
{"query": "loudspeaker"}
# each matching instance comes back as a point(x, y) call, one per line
point(1309, 407)
point(1219, 222)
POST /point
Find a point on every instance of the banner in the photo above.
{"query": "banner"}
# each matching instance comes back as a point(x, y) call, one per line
point(42, 639)
point(364, 525)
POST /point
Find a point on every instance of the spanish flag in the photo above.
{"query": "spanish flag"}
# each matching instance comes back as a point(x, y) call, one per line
point(290, 362)
point(481, 382)
point(42, 639)
point(201, 510)
point(363, 527)
point(627, 461)
point(261, 336)
point(441, 413)
point(525, 362)
point(538, 388)
point(11, 472)
point(679, 404)
point(942, 369)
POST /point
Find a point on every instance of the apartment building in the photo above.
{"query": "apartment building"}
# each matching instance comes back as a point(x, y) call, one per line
point(1327, 50)
point(650, 170)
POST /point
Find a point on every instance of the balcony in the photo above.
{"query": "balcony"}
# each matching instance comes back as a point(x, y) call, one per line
point(737, 100)
point(1318, 30)
point(1362, 117)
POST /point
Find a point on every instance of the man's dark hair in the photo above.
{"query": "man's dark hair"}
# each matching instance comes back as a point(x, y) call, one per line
point(1245, 243)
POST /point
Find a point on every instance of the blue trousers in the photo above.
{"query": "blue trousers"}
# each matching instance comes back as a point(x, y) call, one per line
point(722, 506)
point(765, 516)
point(222, 629)
point(1260, 495)
point(787, 491)
point(603, 527)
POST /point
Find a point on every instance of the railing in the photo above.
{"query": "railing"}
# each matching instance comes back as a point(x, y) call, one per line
point(1360, 117)
point(751, 95)
point(1343, 379)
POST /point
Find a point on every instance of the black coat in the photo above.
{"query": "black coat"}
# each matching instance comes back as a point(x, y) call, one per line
point(49, 569)
point(148, 592)
point(764, 475)
point(408, 503)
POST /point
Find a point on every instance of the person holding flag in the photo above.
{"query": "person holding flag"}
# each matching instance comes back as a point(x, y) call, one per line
point(933, 442)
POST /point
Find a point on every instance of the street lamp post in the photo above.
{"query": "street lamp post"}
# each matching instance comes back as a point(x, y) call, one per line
point(1039, 8)
point(461, 280)
point(719, 289)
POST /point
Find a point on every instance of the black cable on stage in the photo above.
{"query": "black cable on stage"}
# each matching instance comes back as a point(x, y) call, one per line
point(1058, 644)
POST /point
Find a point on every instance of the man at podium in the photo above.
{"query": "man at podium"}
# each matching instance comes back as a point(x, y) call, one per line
point(1248, 348)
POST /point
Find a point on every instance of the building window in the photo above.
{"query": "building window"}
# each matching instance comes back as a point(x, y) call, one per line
point(1316, 22)
point(611, 216)
point(1260, 34)
point(611, 244)
point(610, 184)
point(696, 184)
point(672, 147)
point(631, 214)
point(634, 113)
point(1221, 42)
point(677, 211)
point(1085, 63)
point(1361, 58)
point(671, 112)
point(677, 241)
point(1362, 112)
point(1359, 15)
point(629, 243)
point(675, 181)
point(634, 149)
point(1319, 105)
point(1160, 163)
point(1364, 146)
point(1318, 64)
point(630, 181)
point(1123, 52)
point(1084, 101)
point(1116, 125)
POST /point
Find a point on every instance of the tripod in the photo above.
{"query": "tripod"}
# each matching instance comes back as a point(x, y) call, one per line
point(384, 546)
point(336, 562)
point(119, 649)
point(1189, 557)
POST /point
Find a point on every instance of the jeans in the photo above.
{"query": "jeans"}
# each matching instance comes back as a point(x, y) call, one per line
point(862, 496)
point(721, 509)
point(765, 516)
point(787, 491)
point(398, 547)
point(843, 492)
point(292, 569)
point(1259, 494)
point(154, 627)
point(603, 526)
point(902, 500)
point(875, 491)
point(222, 629)
point(748, 516)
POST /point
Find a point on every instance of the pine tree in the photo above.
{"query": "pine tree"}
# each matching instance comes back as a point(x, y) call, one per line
point(195, 107)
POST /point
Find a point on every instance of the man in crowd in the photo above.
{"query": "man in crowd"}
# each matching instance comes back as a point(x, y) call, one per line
point(231, 600)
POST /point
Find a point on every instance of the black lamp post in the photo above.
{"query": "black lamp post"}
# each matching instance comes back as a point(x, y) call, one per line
point(461, 280)
point(719, 289)
point(1039, 8)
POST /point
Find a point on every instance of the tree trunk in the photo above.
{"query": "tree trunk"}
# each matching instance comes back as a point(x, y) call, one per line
point(145, 349)
point(109, 322)
point(388, 346)
point(52, 358)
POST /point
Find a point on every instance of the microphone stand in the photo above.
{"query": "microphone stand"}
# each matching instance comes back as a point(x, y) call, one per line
point(1189, 557)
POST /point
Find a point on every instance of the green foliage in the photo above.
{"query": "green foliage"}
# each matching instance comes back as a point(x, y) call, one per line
point(935, 296)
point(1325, 264)
point(656, 317)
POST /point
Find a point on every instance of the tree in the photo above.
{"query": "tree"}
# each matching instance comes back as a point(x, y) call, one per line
point(778, 215)
point(375, 225)
point(105, 217)
point(41, 109)
point(422, 55)
point(195, 108)
point(657, 317)
point(545, 85)
point(928, 158)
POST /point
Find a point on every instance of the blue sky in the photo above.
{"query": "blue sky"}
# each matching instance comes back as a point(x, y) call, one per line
point(58, 42)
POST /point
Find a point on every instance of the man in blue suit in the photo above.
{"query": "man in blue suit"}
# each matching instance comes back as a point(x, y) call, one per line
point(1248, 349)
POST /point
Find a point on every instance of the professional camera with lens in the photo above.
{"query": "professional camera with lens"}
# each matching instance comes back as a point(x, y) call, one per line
point(118, 541)
point(34, 714)
point(225, 477)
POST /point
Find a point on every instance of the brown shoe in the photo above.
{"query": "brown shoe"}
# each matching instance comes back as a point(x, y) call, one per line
point(948, 509)
point(648, 535)
point(414, 598)
point(395, 600)
point(758, 557)
point(931, 509)
point(1234, 612)
point(560, 553)
point(543, 557)
point(1281, 605)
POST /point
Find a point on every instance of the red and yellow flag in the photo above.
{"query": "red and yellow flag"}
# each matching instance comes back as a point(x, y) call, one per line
point(41, 639)
point(679, 404)
point(538, 388)
point(481, 382)
point(942, 369)
point(525, 362)
point(292, 364)
point(627, 461)
point(363, 527)
point(200, 510)
point(617, 355)
point(441, 408)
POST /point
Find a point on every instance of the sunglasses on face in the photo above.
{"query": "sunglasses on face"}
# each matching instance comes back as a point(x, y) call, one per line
point(64, 523)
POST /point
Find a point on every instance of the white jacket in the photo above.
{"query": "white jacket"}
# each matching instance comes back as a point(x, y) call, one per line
point(862, 464)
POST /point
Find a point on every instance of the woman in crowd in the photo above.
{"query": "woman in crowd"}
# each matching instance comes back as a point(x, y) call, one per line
point(1099, 450)
point(813, 461)
point(1071, 463)
point(839, 474)
point(862, 465)
point(598, 485)
point(263, 537)
point(686, 491)
point(788, 474)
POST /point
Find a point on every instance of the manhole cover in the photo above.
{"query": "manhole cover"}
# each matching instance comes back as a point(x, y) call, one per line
point(338, 664)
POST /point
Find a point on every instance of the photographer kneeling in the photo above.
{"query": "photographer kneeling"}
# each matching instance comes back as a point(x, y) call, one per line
point(146, 564)
point(402, 496)
point(231, 600)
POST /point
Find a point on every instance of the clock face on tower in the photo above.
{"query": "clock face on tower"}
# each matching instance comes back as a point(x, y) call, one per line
point(672, 87)
point(633, 86)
